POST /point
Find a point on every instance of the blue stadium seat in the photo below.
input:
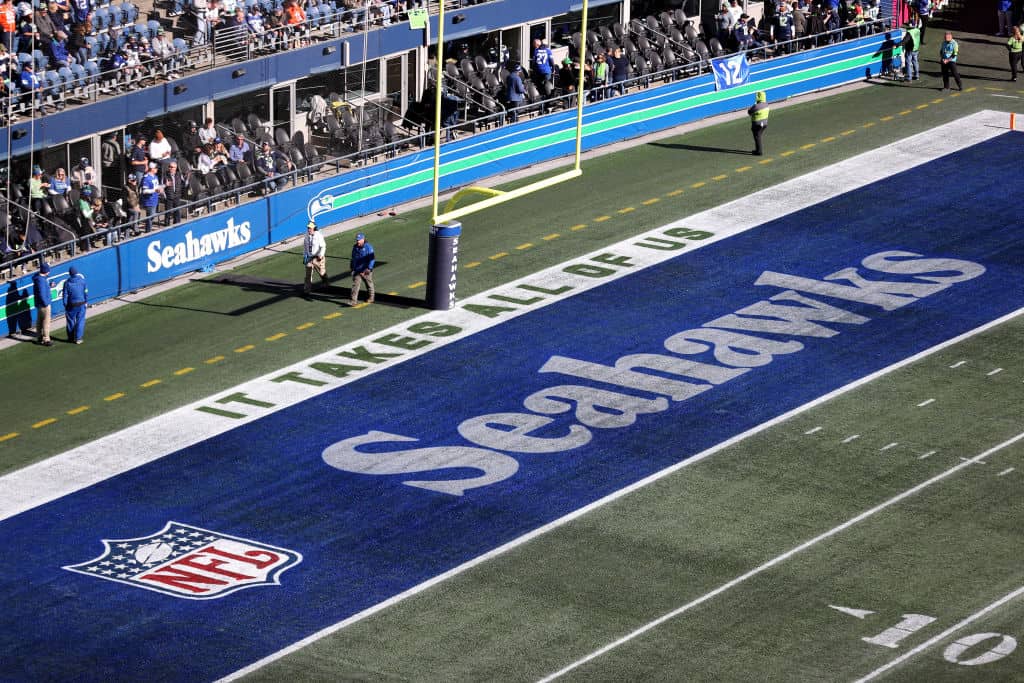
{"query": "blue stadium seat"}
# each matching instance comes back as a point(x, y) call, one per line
point(79, 80)
point(24, 59)
point(116, 16)
point(41, 61)
point(102, 42)
point(312, 16)
point(130, 11)
point(153, 26)
point(140, 29)
point(94, 48)
point(181, 50)
point(101, 19)
point(92, 72)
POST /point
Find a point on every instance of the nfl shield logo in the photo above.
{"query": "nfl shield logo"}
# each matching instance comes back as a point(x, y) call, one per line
point(189, 562)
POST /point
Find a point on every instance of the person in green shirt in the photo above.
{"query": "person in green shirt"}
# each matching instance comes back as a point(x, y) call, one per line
point(37, 188)
point(1015, 45)
point(911, 50)
point(759, 121)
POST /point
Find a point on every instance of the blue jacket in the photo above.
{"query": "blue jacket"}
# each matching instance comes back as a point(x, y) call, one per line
point(75, 292)
point(949, 50)
point(150, 190)
point(41, 290)
point(362, 257)
point(514, 91)
point(1005, 5)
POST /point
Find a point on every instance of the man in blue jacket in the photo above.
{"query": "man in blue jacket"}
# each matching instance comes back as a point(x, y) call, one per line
point(75, 296)
point(41, 292)
point(515, 92)
point(151, 189)
point(363, 261)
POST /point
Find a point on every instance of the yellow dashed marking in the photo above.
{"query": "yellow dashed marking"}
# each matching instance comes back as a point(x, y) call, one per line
point(906, 111)
point(337, 314)
point(581, 226)
point(888, 118)
point(501, 254)
point(150, 383)
point(830, 138)
point(417, 285)
point(674, 193)
point(766, 161)
point(247, 347)
point(215, 359)
point(937, 100)
point(114, 397)
point(8, 437)
point(389, 294)
point(602, 219)
point(848, 132)
point(700, 184)
point(627, 209)
point(869, 124)
point(720, 177)
point(275, 337)
point(525, 245)
point(971, 89)
point(79, 409)
point(183, 371)
point(303, 326)
point(652, 200)
point(956, 94)
point(809, 145)
point(361, 304)
point(743, 169)
point(474, 264)
point(788, 152)
point(552, 236)
point(922, 106)
point(43, 423)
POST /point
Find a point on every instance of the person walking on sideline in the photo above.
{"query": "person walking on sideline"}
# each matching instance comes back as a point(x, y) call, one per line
point(759, 120)
point(363, 260)
point(1015, 45)
point(41, 291)
point(911, 49)
point(948, 53)
point(314, 256)
point(75, 296)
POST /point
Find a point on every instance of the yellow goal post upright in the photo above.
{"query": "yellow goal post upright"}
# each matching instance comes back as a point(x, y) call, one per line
point(496, 197)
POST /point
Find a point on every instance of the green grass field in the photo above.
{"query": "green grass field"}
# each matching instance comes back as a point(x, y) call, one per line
point(746, 550)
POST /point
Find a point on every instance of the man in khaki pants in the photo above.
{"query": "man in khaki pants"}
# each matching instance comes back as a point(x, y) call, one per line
point(314, 255)
point(41, 291)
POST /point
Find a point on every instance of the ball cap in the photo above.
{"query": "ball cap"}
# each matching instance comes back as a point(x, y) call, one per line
point(360, 236)
point(311, 224)
point(44, 268)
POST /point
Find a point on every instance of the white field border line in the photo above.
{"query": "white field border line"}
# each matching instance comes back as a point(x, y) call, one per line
point(945, 634)
point(790, 553)
point(162, 435)
point(561, 521)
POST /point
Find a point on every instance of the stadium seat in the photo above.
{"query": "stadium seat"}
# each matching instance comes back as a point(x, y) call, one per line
point(101, 19)
point(130, 12)
point(153, 25)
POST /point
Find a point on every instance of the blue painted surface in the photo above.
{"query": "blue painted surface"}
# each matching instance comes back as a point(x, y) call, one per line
point(365, 538)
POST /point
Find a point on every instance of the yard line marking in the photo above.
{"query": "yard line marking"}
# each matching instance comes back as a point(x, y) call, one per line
point(787, 153)
point(979, 462)
point(215, 359)
point(150, 383)
point(889, 118)
point(743, 169)
point(524, 245)
point(552, 236)
point(602, 219)
point(887, 446)
point(338, 314)
point(674, 193)
point(417, 285)
point(958, 364)
point(698, 184)
point(627, 209)
point(852, 437)
point(8, 436)
point(994, 372)
point(720, 177)
point(813, 431)
point(79, 409)
point(647, 202)
point(275, 337)
point(582, 226)
point(785, 556)
point(1009, 97)
point(43, 423)
point(474, 264)
point(1006, 471)
point(924, 403)
point(247, 347)
point(114, 397)
point(926, 455)
point(495, 257)
point(183, 371)
point(942, 636)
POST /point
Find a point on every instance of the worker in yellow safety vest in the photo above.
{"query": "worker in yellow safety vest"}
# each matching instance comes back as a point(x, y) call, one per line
point(759, 120)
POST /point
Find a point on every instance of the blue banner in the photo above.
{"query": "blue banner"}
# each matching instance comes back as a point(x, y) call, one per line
point(730, 71)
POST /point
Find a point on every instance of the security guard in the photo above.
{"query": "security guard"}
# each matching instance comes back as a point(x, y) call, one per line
point(948, 53)
point(363, 260)
point(314, 256)
point(41, 292)
point(759, 120)
point(75, 296)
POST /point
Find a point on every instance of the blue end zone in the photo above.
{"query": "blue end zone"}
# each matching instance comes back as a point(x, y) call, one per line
point(365, 538)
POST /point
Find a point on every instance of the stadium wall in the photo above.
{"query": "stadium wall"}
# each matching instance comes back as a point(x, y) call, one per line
point(203, 243)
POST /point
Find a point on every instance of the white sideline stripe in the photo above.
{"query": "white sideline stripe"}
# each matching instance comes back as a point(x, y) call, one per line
point(926, 455)
point(790, 553)
point(922, 404)
point(994, 372)
point(958, 364)
point(1006, 471)
point(945, 634)
point(139, 444)
point(529, 536)
point(813, 431)
point(851, 438)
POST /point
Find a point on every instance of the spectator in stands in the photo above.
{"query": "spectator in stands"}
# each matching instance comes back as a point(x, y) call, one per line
point(543, 61)
point(28, 37)
point(84, 213)
point(208, 133)
point(266, 169)
point(568, 79)
point(233, 19)
point(62, 8)
point(83, 175)
point(31, 87)
point(295, 17)
point(164, 54)
point(176, 186)
point(746, 34)
point(221, 161)
point(37, 189)
point(139, 158)
point(81, 12)
point(151, 191)
point(736, 10)
point(355, 13)
point(227, 8)
point(131, 202)
point(240, 152)
point(783, 29)
point(204, 162)
point(44, 26)
point(59, 183)
point(160, 150)
point(133, 62)
point(515, 93)
point(276, 29)
point(77, 45)
point(190, 142)
point(8, 24)
point(724, 23)
point(113, 69)
point(620, 71)
point(255, 29)
point(600, 78)
point(100, 216)
point(59, 56)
